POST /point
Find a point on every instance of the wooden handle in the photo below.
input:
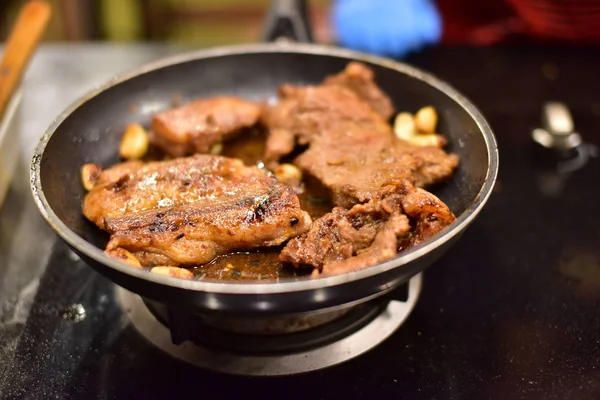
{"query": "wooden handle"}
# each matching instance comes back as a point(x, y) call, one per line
point(24, 37)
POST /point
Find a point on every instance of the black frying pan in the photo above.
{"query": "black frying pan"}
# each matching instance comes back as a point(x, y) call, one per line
point(90, 131)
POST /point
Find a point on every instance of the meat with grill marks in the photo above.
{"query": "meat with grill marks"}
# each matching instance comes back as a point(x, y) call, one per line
point(189, 210)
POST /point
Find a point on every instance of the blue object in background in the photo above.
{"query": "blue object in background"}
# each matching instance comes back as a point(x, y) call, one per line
point(391, 28)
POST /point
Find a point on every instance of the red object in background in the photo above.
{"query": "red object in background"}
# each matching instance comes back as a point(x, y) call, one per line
point(577, 20)
point(484, 22)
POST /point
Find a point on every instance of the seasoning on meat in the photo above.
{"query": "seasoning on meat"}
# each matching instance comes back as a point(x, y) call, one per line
point(198, 126)
point(345, 240)
point(190, 210)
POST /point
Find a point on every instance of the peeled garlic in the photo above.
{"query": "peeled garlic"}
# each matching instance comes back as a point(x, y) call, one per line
point(216, 149)
point(405, 129)
point(288, 173)
point(173, 271)
point(134, 143)
point(426, 120)
point(418, 130)
point(125, 257)
point(404, 125)
point(89, 174)
point(429, 139)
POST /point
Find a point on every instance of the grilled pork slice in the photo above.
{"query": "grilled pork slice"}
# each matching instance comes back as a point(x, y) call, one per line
point(188, 211)
point(368, 234)
point(349, 100)
point(352, 149)
point(197, 126)
point(306, 113)
point(258, 215)
point(136, 186)
point(356, 164)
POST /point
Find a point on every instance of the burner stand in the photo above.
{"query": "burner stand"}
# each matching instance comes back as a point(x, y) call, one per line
point(289, 358)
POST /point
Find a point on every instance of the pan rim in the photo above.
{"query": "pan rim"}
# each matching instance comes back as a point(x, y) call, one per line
point(270, 287)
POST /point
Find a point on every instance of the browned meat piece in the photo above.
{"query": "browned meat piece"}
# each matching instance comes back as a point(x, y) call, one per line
point(356, 164)
point(361, 80)
point(323, 244)
point(383, 248)
point(197, 126)
point(351, 148)
point(368, 234)
point(134, 186)
point(279, 143)
point(306, 113)
point(190, 210)
point(430, 214)
point(260, 214)
point(344, 234)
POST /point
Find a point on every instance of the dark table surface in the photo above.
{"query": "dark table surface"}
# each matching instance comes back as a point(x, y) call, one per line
point(511, 312)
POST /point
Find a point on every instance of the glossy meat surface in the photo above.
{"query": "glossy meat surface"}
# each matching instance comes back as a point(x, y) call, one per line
point(136, 186)
point(188, 211)
point(197, 126)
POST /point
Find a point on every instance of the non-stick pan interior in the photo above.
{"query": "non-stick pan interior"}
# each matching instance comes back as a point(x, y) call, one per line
point(93, 131)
